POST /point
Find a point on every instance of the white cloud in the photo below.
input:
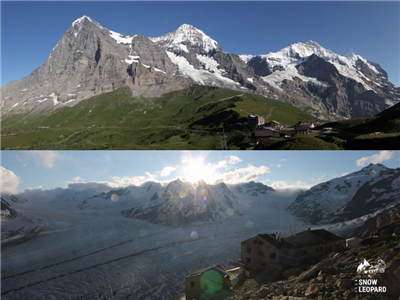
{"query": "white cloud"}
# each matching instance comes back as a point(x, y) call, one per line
point(124, 181)
point(279, 165)
point(151, 177)
point(9, 181)
point(31, 188)
point(283, 160)
point(242, 175)
point(167, 171)
point(233, 159)
point(46, 159)
point(225, 170)
point(283, 185)
point(78, 179)
point(377, 158)
point(132, 180)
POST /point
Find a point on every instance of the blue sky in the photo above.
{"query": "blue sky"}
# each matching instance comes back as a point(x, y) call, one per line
point(372, 29)
point(280, 169)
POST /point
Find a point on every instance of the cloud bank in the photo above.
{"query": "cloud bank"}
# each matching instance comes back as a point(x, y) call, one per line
point(9, 181)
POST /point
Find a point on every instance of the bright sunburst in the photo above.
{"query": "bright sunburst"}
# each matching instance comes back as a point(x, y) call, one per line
point(195, 169)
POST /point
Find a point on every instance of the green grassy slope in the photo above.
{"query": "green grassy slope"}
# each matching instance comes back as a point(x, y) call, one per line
point(296, 143)
point(381, 132)
point(187, 119)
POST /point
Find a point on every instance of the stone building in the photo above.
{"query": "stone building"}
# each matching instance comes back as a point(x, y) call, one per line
point(255, 120)
point(272, 252)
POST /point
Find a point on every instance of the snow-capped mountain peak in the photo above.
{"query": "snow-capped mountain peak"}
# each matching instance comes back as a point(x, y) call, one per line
point(286, 63)
point(372, 188)
point(373, 168)
point(302, 50)
point(82, 19)
point(186, 37)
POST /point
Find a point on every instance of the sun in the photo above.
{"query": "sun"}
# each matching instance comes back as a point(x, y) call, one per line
point(195, 169)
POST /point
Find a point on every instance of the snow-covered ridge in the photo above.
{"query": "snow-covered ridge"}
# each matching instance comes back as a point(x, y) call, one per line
point(365, 191)
point(294, 54)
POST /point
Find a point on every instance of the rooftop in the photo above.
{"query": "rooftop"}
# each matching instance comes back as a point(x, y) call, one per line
point(302, 239)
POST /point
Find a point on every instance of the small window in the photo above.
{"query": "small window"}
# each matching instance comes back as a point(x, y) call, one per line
point(254, 241)
point(261, 243)
point(205, 287)
point(272, 256)
point(261, 253)
point(192, 284)
point(248, 260)
point(248, 250)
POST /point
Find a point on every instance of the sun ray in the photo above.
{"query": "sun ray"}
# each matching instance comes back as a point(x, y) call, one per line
point(196, 169)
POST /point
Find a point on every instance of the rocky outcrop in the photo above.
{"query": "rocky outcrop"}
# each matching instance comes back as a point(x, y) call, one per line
point(7, 211)
point(385, 222)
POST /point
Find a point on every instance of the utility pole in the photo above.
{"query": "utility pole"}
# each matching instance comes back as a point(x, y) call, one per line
point(222, 139)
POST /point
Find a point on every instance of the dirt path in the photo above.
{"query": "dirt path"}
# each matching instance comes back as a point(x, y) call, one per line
point(269, 112)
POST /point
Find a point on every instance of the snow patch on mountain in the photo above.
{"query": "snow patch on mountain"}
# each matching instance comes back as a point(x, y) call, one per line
point(132, 59)
point(54, 96)
point(122, 38)
point(290, 73)
point(209, 76)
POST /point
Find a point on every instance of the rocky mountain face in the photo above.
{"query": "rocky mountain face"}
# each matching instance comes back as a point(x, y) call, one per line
point(91, 59)
point(7, 211)
point(13, 198)
point(373, 188)
point(119, 197)
point(254, 188)
point(181, 203)
point(386, 222)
